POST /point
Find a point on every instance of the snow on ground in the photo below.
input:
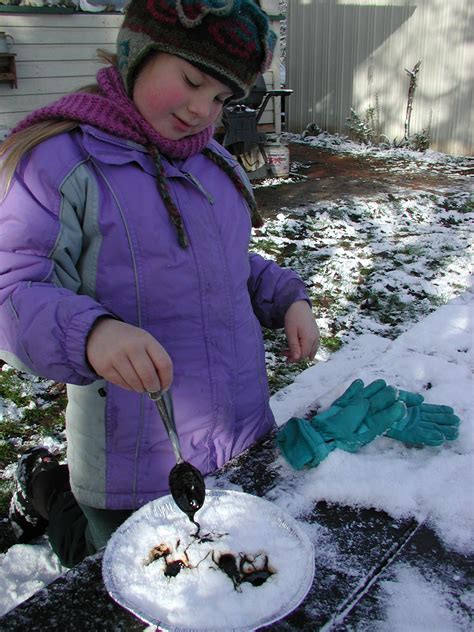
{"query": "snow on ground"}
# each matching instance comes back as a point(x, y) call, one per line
point(370, 266)
point(25, 569)
point(407, 160)
point(435, 357)
point(425, 605)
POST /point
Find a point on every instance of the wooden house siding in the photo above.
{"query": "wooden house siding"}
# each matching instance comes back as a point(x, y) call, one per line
point(344, 54)
point(56, 53)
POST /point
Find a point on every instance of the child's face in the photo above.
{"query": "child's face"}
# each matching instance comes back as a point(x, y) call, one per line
point(176, 98)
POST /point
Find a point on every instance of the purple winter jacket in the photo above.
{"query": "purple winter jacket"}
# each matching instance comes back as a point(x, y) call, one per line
point(84, 233)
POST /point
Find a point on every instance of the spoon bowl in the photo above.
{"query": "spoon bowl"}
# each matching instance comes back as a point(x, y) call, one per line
point(187, 488)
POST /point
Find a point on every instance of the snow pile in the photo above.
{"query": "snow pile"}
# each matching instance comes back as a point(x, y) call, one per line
point(25, 569)
point(425, 605)
point(435, 484)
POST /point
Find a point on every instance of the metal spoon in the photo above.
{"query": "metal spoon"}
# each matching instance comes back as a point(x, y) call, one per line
point(186, 482)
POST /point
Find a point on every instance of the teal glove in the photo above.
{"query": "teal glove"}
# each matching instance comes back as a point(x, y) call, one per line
point(424, 424)
point(301, 445)
point(352, 421)
point(357, 424)
point(361, 414)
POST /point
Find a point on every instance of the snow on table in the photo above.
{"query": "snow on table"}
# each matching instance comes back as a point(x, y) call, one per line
point(202, 596)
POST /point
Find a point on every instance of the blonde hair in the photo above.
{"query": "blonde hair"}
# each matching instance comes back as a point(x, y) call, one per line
point(18, 144)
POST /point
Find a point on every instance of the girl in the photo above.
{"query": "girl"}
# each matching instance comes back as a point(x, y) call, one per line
point(125, 269)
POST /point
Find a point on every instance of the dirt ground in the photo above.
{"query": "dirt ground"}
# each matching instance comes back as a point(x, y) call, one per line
point(330, 176)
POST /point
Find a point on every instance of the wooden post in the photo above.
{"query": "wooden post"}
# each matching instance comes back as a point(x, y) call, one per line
point(411, 93)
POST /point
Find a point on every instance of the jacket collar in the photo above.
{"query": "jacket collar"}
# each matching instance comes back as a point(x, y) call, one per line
point(113, 150)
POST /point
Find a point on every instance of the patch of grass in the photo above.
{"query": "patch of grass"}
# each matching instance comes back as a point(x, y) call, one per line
point(10, 429)
point(331, 343)
point(411, 250)
point(439, 263)
point(280, 373)
point(451, 221)
point(46, 420)
point(460, 203)
point(467, 207)
point(11, 387)
point(346, 244)
point(7, 454)
point(6, 491)
point(268, 246)
point(46, 416)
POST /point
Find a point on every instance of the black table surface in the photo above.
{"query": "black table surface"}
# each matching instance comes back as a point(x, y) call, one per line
point(356, 551)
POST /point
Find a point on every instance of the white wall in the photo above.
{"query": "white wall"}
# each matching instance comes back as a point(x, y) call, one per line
point(341, 53)
point(55, 53)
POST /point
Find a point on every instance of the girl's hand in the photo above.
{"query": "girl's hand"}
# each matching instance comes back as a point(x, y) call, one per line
point(128, 356)
point(302, 332)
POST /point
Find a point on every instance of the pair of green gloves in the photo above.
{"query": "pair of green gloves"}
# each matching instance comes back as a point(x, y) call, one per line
point(361, 414)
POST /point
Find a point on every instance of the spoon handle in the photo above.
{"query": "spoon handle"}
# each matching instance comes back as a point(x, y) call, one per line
point(164, 404)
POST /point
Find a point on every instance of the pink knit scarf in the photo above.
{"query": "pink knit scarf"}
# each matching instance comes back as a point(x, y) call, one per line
point(113, 111)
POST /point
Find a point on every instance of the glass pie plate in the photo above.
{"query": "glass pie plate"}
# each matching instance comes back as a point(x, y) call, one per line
point(201, 597)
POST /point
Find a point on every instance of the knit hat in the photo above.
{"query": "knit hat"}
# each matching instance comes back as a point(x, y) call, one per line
point(230, 40)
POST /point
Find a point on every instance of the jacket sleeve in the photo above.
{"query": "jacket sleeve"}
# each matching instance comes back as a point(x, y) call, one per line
point(272, 290)
point(44, 323)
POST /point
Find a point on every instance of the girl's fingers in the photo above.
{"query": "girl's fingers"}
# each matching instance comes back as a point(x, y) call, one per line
point(162, 364)
point(317, 341)
point(129, 375)
point(128, 356)
point(294, 351)
point(288, 356)
point(314, 349)
point(141, 373)
point(307, 346)
point(301, 331)
point(114, 377)
point(146, 373)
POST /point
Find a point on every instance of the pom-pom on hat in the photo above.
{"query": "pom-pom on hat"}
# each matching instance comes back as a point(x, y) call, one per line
point(230, 40)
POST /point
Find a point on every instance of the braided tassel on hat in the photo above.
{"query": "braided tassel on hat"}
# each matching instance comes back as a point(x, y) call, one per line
point(173, 211)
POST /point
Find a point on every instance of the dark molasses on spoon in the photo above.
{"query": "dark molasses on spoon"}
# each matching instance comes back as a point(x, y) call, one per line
point(188, 489)
point(186, 482)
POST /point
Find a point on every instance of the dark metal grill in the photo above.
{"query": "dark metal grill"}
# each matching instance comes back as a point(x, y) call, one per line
point(241, 120)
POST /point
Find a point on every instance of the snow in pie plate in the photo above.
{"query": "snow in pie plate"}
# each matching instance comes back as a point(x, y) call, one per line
point(201, 597)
